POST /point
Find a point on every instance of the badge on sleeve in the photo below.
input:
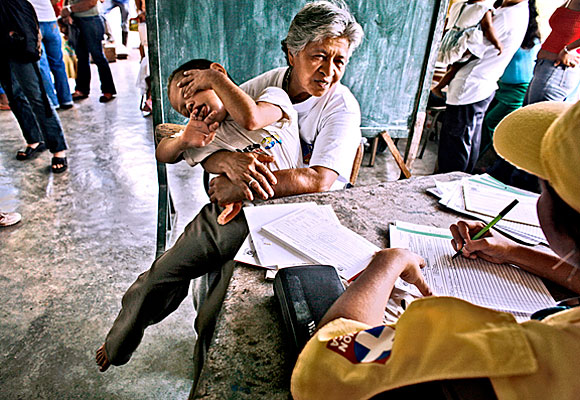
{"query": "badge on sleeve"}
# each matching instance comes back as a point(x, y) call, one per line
point(372, 345)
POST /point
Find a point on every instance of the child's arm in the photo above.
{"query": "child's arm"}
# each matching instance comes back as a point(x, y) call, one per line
point(199, 132)
point(489, 31)
point(242, 108)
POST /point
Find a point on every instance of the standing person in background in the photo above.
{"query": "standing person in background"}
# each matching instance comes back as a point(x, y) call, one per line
point(124, 8)
point(51, 59)
point(85, 15)
point(557, 73)
point(471, 90)
point(20, 77)
point(514, 82)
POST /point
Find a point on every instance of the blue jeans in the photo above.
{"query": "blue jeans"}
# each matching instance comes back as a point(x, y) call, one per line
point(51, 61)
point(124, 7)
point(551, 83)
point(92, 30)
point(37, 119)
point(460, 136)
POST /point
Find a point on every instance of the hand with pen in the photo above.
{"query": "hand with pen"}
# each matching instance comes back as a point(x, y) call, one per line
point(492, 246)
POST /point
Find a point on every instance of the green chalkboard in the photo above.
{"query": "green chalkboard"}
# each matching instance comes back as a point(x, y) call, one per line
point(387, 73)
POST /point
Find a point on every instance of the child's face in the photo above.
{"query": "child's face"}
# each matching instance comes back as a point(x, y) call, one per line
point(205, 101)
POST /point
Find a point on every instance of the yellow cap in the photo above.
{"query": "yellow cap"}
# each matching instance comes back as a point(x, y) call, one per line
point(544, 139)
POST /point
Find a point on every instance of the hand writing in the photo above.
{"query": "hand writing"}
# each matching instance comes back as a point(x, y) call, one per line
point(492, 246)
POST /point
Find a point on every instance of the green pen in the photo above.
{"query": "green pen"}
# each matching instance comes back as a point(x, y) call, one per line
point(486, 228)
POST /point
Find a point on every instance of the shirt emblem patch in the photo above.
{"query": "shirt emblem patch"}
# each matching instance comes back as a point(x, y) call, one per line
point(372, 345)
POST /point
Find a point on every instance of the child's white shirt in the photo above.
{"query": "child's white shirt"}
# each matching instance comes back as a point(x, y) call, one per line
point(280, 139)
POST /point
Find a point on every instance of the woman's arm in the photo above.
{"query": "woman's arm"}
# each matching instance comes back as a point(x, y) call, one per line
point(366, 298)
point(568, 56)
point(290, 182)
point(489, 31)
point(496, 248)
point(242, 108)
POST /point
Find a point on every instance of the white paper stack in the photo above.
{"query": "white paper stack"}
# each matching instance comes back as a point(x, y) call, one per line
point(482, 197)
point(304, 233)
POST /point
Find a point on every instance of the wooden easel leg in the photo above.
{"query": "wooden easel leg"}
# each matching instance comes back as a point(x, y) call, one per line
point(374, 146)
point(396, 154)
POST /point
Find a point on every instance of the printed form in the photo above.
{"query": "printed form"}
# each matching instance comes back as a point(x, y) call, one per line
point(500, 287)
point(323, 242)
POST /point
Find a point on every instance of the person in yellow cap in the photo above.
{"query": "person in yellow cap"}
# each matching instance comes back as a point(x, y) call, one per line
point(443, 347)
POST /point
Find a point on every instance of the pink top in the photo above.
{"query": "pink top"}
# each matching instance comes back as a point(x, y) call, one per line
point(565, 25)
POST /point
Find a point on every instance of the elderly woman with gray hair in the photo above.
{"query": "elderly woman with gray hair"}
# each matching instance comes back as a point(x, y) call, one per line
point(320, 41)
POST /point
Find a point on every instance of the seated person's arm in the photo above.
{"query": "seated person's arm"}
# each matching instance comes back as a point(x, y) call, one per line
point(241, 107)
point(366, 298)
point(489, 31)
point(289, 182)
point(498, 249)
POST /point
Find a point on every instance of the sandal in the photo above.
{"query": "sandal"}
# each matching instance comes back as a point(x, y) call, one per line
point(106, 97)
point(59, 161)
point(79, 95)
point(30, 153)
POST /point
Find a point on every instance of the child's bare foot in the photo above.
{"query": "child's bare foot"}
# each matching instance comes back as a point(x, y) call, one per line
point(102, 359)
point(437, 92)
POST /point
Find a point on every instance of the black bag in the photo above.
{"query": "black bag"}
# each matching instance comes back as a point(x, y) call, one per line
point(305, 293)
point(19, 31)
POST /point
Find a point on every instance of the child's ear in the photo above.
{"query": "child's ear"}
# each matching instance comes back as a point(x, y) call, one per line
point(218, 67)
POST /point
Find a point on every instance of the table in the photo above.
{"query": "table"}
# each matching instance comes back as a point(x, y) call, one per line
point(247, 357)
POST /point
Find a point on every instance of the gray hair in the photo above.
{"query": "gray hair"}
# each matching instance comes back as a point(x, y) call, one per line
point(321, 20)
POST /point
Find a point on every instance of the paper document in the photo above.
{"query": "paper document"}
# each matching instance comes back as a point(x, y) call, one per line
point(323, 242)
point(489, 200)
point(269, 253)
point(452, 196)
point(501, 287)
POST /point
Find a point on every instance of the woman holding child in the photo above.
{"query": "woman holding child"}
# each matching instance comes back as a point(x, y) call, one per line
point(321, 38)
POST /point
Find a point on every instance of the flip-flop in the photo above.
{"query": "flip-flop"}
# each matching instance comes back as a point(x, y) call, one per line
point(56, 161)
point(29, 153)
point(79, 95)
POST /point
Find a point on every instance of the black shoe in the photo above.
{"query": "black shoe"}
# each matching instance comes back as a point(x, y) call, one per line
point(30, 153)
point(66, 106)
point(106, 97)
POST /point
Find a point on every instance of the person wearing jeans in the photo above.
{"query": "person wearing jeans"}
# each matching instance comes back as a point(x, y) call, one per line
point(37, 118)
point(51, 59)
point(124, 7)
point(85, 15)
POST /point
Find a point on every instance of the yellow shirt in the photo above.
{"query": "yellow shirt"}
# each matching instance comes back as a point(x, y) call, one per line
point(443, 338)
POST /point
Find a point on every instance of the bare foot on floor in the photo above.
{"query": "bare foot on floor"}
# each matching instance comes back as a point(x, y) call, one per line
point(102, 359)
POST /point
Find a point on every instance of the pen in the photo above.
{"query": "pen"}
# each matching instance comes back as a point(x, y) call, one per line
point(486, 228)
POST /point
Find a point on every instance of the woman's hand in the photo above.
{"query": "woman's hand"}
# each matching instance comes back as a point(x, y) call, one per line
point(223, 191)
point(249, 171)
point(195, 80)
point(408, 263)
point(492, 247)
point(569, 59)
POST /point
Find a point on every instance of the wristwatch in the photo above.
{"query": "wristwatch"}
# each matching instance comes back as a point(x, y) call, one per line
point(566, 49)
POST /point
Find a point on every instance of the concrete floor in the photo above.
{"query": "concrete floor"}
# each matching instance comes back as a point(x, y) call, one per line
point(84, 238)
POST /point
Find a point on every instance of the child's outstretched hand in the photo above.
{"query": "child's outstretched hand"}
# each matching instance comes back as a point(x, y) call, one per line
point(200, 130)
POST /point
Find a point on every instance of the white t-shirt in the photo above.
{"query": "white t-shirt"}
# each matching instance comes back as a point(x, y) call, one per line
point(477, 80)
point(329, 125)
point(44, 10)
point(279, 139)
